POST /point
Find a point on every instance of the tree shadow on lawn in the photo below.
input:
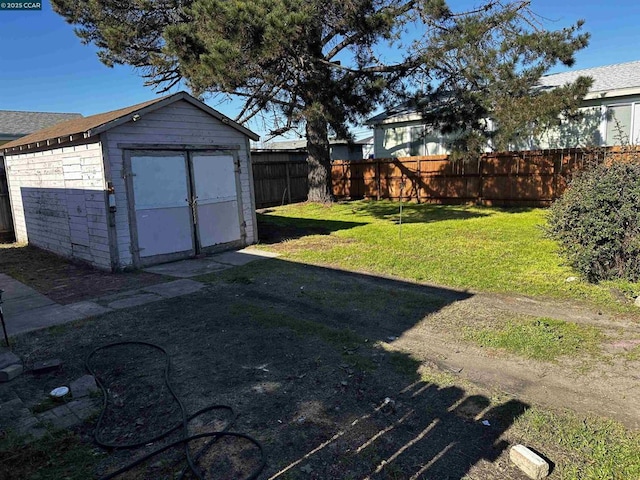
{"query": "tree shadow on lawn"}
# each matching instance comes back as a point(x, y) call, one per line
point(275, 228)
point(426, 212)
point(416, 212)
point(301, 353)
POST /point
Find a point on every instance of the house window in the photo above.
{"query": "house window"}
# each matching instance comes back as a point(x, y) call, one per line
point(417, 141)
point(635, 134)
point(618, 124)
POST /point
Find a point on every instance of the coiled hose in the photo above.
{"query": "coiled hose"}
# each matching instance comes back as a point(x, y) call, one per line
point(186, 438)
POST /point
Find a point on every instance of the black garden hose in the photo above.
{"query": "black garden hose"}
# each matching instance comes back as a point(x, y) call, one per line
point(186, 438)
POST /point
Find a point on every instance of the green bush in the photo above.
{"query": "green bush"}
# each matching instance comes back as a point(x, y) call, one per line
point(597, 222)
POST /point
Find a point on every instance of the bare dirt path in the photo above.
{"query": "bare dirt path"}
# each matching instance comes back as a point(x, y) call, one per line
point(608, 386)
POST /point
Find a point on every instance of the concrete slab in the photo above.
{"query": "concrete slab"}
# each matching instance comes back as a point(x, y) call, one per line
point(242, 257)
point(89, 309)
point(9, 358)
point(175, 288)
point(16, 416)
point(210, 264)
point(188, 268)
point(13, 306)
point(42, 317)
point(13, 288)
point(134, 301)
point(18, 298)
point(83, 386)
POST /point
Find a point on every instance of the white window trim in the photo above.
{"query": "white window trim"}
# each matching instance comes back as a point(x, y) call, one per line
point(603, 123)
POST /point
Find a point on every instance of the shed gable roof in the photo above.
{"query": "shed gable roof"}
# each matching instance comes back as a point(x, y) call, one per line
point(93, 125)
point(17, 124)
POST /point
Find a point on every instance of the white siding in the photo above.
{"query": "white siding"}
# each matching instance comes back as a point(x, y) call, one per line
point(395, 140)
point(58, 201)
point(177, 123)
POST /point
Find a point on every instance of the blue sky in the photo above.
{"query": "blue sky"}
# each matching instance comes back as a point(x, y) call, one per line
point(44, 67)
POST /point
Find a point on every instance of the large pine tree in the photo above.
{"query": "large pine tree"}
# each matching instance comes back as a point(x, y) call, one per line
point(323, 65)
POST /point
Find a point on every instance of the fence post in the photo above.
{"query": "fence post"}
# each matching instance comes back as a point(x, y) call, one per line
point(377, 160)
point(480, 186)
point(286, 165)
point(418, 182)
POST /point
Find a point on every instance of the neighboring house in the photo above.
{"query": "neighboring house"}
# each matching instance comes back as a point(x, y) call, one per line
point(154, 182)
point(610, 110)
point(14, 125)
point(338, 149)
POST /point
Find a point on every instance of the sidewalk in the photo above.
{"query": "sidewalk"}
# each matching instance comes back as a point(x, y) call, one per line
point(26, 310)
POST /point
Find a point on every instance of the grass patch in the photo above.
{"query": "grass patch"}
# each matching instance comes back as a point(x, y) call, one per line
point(479, 248)
point(633, 355)
point(57, 455)
point(589, 448)
point(538, 338)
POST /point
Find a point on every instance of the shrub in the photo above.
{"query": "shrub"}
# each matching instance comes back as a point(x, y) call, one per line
point(597, 222)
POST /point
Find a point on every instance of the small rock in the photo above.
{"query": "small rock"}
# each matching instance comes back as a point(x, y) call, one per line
point(529, 462)
point(637, 302)
point(83, 386)
point(344, 384)
point(8, 358)
point(46, 366)
point(571, 279)
point(391, 338)
point(388, 406)
point(10, 372)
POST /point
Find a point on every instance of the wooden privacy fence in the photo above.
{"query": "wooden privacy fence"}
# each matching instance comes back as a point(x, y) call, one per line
point(527, 178)
point(279, 177)
point(531, 178)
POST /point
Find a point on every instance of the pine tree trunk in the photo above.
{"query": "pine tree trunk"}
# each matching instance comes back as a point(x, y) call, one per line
point(318, 160)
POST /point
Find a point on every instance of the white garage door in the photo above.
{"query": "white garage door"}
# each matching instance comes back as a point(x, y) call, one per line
point(183, 203)
point(163, 215)
point(214, 180)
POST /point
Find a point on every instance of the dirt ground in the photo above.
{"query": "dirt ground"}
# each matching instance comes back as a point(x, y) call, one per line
point(65, 282)
point(323, 368)
point(313, 395)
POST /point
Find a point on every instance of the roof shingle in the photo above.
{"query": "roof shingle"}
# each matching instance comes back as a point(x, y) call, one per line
point(607, 77)
point(78, 126)
point(17, 124)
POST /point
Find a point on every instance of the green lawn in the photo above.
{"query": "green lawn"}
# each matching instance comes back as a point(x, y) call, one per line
point(477, 248)
point(539, 338)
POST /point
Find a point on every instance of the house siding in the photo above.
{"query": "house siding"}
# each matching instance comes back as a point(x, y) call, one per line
point(58, 199)
point(179, 123)
point(393, 138)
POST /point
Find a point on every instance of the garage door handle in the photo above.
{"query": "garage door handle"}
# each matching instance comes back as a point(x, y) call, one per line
point(193, 204)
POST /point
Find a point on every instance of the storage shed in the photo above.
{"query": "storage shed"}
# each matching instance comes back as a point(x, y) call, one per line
point(158, 181)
